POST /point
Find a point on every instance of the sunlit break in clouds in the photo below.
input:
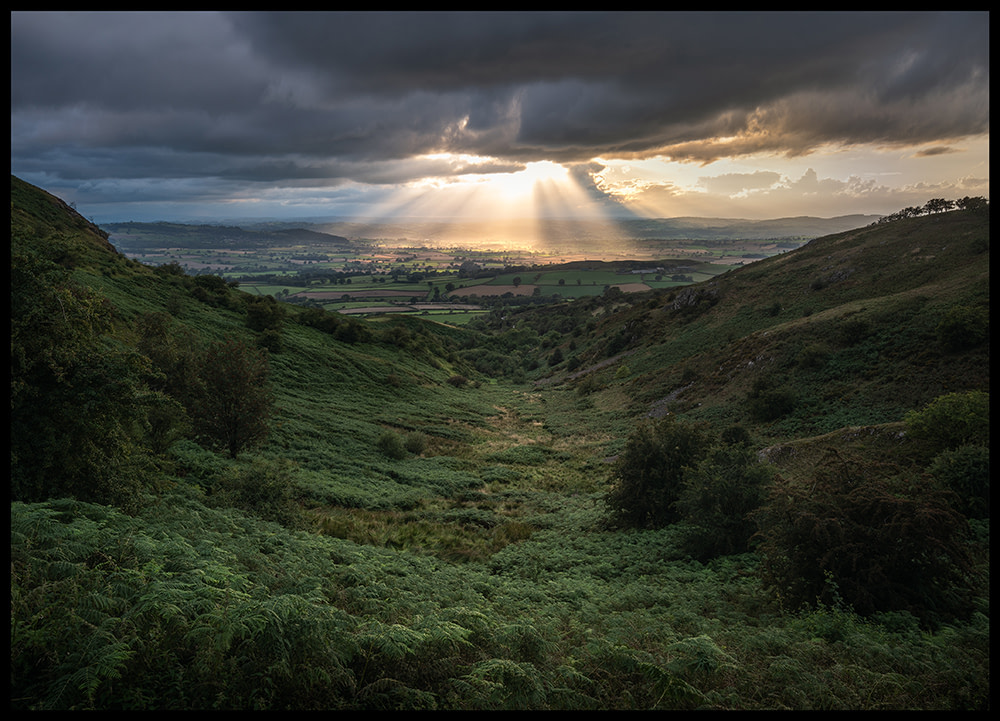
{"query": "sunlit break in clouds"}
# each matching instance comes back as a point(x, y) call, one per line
point(511, 120)
point(513, 209)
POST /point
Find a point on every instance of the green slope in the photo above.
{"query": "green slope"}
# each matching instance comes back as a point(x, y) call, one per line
point(852, 329)
point(336, 392)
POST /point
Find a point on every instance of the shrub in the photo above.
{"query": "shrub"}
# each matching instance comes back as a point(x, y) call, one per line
point(264, 313)
point(717, 497)
point(270, 340)
point(648, 474)
point(263, 488)
point(966, 471)
point(813, 355)
point(736, 435)
point(767, 401)
point(853, 331)
point(950, 421)
point(415, 442)
point(320, 320)
point(391, 444)
point(856, 536)
point(964, 327)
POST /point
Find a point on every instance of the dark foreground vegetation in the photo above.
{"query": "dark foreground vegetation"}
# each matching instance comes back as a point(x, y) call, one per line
point(765, 491)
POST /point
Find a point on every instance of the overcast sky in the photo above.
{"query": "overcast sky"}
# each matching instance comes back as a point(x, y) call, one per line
point(180, 115)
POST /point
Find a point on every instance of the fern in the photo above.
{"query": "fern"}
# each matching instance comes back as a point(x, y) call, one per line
point(505, 685)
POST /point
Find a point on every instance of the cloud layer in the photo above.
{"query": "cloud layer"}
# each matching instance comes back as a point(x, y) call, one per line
point(195, 100)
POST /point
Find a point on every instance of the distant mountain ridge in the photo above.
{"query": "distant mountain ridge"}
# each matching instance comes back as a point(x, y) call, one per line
point(562, 230)
point(802, 226)
point(137, 235)
point(682, 228)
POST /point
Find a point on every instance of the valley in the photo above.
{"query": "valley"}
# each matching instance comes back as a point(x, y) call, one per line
point(757, 487)
point(368, 274)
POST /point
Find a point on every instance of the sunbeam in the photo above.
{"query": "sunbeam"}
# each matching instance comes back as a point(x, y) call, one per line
point(539, 206)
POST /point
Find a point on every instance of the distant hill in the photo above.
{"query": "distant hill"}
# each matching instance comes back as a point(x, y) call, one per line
point(556, 230)
point(138, 236)
point(592, 232)
point(646, 237)
point(743, 229)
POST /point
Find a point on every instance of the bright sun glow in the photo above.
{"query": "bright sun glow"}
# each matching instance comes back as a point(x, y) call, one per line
point(508, 208)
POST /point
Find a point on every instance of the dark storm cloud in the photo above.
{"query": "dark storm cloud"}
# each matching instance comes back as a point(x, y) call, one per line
point(336, 96)
point(582, 84)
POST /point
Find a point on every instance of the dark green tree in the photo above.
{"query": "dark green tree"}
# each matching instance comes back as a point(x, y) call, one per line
point(79, 397)
point(234, 403)
point(976, 203)
point(264, 313)
point(862, 536)
point(648, 475)
point(768, 400)
point(717, 497)
point(966, 471)
point(173, 350)
point(964, 327)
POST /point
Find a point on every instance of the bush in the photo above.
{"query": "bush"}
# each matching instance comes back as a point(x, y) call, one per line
point(391, 444)
point(647, 476)
point(853, 331)
point(857, 536)
point(813, 355)
point(966, 471)
point(264, 313)
point(736, 435)
point(950, 421)
point(766, 401)
point(717, 497)
point(415, 442)
point(964, 327)
point(263, 488)
point(270, 340)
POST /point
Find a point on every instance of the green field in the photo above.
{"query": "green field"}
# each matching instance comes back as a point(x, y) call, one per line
point(350, 275)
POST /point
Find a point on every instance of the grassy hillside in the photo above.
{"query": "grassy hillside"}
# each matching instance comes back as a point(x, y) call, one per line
point(852, 329)
point(426, 522)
